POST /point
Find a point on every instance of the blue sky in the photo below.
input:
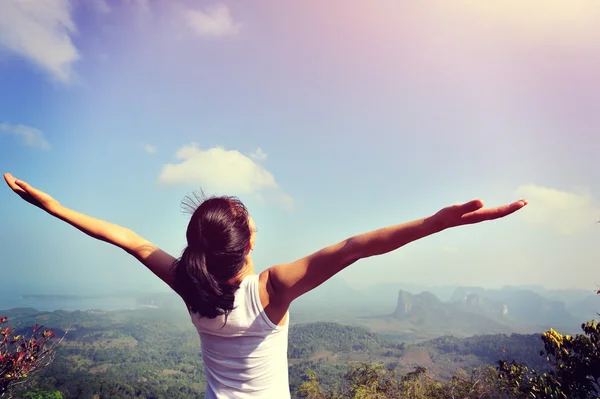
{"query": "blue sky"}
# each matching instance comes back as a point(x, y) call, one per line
point(327, 120)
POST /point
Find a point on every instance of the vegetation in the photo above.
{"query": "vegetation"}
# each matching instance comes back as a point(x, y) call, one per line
point(38, 394)
point(570, 368)
point(575, 370)
point(155, 353)
point(373, 381)
point(308, 339)
point(20, 355)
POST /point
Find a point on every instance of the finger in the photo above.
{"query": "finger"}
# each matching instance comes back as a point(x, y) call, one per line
point(11, 181)
point(493, 213)
point(470, 206)
point(501, 211)
point(27, 188)
point(23, 185)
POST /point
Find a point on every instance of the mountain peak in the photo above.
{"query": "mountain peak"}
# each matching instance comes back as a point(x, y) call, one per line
point(409, 303)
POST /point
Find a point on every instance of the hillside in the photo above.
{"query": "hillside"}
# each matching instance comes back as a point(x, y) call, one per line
point(155, 353)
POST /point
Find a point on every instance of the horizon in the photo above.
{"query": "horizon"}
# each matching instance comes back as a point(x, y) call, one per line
point(413, 288)
point(324, 130)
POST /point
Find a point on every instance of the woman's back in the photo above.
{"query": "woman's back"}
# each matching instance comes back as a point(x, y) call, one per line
point(245, 357)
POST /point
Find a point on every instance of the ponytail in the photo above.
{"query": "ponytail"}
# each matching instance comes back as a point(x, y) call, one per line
point(218, 237)
point(202, 292)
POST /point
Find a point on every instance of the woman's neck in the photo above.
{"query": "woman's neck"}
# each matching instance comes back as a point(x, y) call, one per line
point(246, 271)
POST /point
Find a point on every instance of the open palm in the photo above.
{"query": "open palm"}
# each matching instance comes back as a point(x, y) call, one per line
point(30, 194)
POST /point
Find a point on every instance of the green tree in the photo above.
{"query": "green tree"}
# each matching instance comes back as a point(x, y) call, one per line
point(39, 394)
point(575, 367)
point(371, 381)
point(311, 388)
point(374, 381)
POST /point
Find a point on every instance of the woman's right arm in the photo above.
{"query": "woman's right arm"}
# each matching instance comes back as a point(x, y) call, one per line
point(155, 259)
point(289, 281)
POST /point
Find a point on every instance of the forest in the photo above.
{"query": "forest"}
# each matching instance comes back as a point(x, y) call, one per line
point(154, 353)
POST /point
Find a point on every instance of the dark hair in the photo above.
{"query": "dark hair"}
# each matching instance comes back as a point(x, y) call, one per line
point(218, 240)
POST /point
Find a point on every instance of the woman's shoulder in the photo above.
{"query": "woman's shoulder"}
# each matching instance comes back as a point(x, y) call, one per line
point(275, 311)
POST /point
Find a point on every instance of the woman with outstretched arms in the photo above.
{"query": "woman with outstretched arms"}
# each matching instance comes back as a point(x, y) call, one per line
point(242, 317)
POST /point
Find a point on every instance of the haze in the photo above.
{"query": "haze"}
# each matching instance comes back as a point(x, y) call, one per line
point(326, 119)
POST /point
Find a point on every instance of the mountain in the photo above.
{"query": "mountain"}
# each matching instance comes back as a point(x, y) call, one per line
point(410, 305)
point(389, 291)
point(425, 311)
point(569, 296)
point(461, 293)
point(586, 308)
point(467, 310)
point(480, 304)
point(521, 306)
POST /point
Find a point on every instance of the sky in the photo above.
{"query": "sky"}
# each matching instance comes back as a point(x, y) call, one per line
point(327, 119)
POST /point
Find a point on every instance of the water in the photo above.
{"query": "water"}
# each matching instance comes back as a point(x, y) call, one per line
point(50, 304)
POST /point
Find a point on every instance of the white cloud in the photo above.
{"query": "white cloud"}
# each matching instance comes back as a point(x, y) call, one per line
point(225, 171)
point(29, 136)
point(40, 32)
point(259, 155)
point(212, 21)
point(150, 149)
point(565, 212)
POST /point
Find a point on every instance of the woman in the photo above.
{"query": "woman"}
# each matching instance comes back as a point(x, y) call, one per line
point(241, 317)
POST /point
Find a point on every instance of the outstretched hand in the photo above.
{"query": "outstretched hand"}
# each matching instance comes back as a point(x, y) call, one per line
point(30, 194)
point(473, 212)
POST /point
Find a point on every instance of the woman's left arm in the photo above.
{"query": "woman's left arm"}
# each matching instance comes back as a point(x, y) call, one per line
point(155, 259)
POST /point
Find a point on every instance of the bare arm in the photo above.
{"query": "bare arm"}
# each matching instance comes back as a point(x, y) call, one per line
point(291, 280)
point(158, 261)
point(155, 259)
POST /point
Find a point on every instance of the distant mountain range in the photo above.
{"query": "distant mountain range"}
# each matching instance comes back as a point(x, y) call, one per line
point(399, 309)
point(518, 305)
point(471, 317)
point(464, 310)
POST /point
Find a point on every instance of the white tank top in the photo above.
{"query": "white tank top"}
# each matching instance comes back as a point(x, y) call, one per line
point(246, 357)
